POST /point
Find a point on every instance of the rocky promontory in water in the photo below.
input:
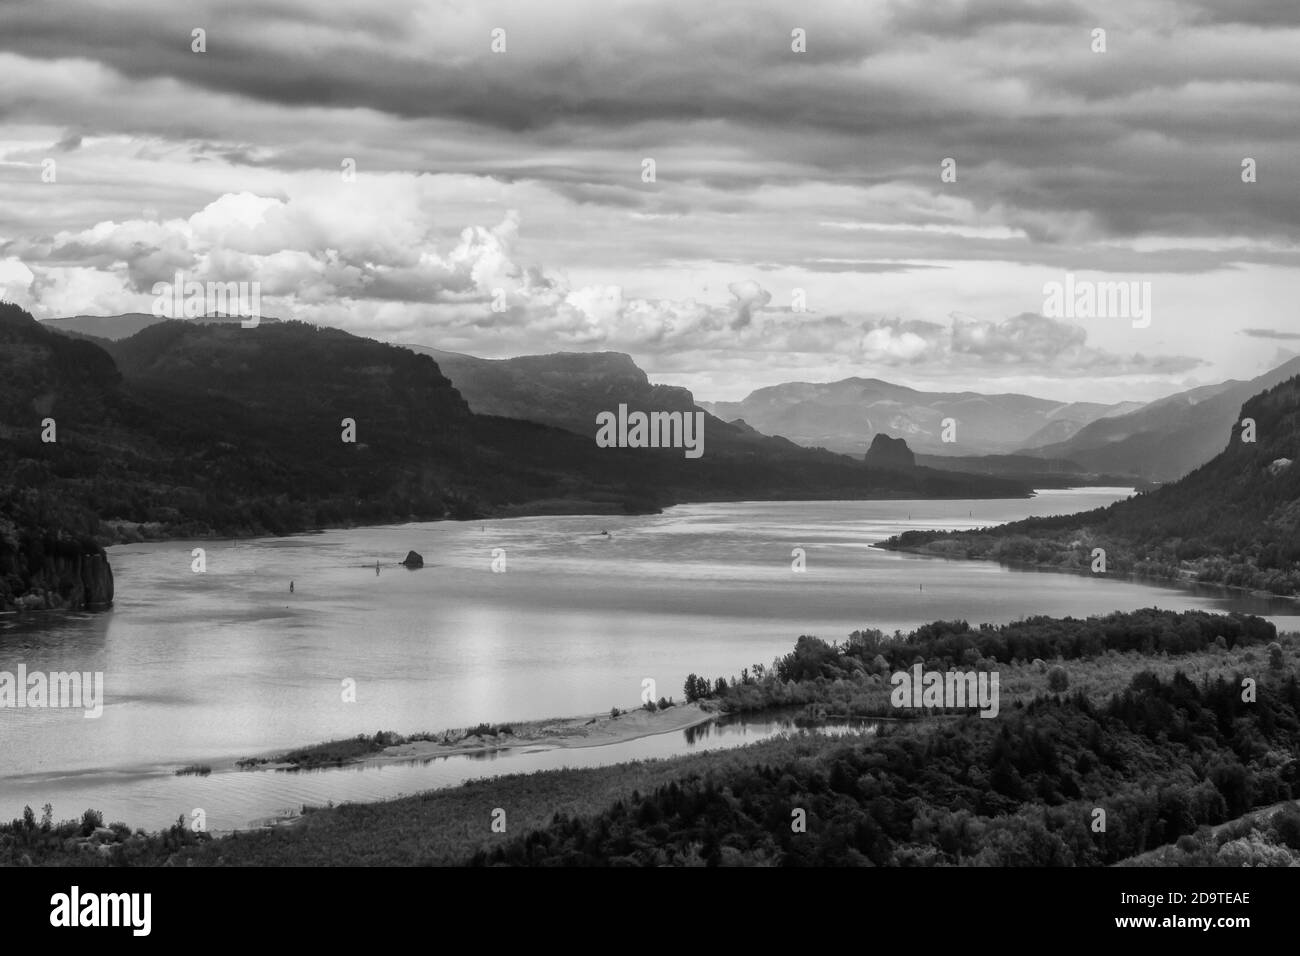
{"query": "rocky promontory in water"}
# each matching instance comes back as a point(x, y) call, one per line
point(53, 574)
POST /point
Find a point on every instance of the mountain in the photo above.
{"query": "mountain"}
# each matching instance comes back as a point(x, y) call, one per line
point(845, 415)
point(564, 389)
point(189, 429)
point(1234, 520)
point(115, 327)
point(111, 327)
point(568, 390)
point(1167, 438)
point(53, 387)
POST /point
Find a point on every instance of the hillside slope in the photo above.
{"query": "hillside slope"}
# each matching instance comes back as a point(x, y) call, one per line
point(1166, 439)
point(1233, 521)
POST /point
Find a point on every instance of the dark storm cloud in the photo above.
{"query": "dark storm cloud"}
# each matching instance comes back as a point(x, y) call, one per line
point(1053, 139)
point(1056, 140)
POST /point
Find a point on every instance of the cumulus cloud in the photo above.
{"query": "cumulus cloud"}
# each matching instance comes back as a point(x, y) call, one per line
point(1032, 340)
point(392, 276)
point(749, 296)
point(1021, 338)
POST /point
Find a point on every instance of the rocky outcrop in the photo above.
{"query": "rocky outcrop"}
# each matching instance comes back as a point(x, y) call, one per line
point(890, 453)
point(56, 575)
point(413, 560)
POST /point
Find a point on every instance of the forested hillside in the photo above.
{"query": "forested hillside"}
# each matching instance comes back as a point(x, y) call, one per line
point(1235, 520)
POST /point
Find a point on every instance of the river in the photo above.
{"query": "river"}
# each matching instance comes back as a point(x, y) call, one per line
point(203, 667)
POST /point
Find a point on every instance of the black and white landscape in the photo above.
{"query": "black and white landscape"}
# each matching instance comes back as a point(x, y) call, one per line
point(593, 434)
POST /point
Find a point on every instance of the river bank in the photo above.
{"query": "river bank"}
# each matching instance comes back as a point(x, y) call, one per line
point(1185, 579)
point(586, 730)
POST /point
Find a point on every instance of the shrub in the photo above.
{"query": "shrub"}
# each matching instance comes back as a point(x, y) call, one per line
point(1275, 656)
point(91, 820)
point(1287, 824)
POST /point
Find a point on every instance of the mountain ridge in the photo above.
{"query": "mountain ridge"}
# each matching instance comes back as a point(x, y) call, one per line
point(1169, 437)
point(1233, 521)
point(846, 414)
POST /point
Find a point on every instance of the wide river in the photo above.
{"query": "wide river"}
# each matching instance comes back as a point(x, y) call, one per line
point(206, 667)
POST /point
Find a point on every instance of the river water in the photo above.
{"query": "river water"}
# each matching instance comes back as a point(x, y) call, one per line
point(204, 667)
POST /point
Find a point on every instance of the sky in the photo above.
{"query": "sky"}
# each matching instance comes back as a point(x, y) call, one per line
point(473, 177)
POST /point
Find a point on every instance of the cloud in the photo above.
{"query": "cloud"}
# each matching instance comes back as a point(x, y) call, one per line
point(817, 171)
point(1037, 341)
point(390, 274)
point(1021, 338)
point(1270, 334)
point(749, 296)
point(965, 17)
point(1052, 140)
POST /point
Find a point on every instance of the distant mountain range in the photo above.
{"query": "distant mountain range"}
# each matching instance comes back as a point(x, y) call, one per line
point(1165, 439)
point(568, 390)
point(115, 327)
point(1234, 520)
point(846, 415)
point(1127, 442)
